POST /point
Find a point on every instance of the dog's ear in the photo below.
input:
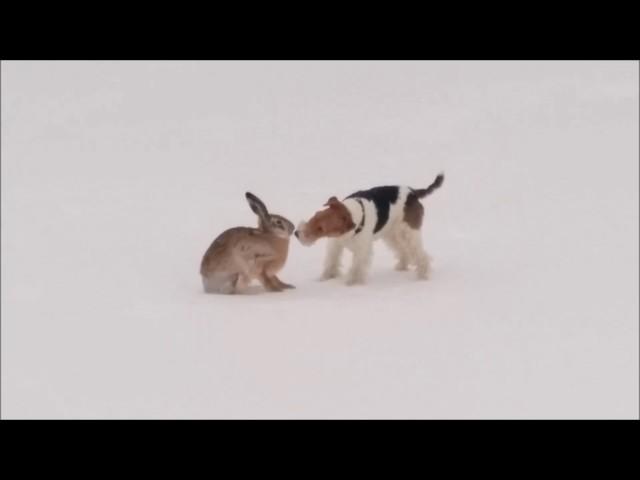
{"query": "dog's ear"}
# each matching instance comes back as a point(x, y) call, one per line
point(332, 202)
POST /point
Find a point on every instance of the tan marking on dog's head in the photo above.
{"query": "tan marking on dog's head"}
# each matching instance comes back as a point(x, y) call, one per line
point(330, 222)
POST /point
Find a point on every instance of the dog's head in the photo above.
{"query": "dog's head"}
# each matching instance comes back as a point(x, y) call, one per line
point(333, 221)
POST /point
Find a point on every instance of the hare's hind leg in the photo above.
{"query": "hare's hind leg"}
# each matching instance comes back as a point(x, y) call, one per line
point(225, 284)
point(418, 254)
point(211, 284)
point(269, 283)
point(241, 283)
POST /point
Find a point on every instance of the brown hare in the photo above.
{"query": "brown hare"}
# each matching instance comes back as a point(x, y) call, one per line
point(242, 254)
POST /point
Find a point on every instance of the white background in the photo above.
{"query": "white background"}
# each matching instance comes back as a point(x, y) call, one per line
point(116, 177)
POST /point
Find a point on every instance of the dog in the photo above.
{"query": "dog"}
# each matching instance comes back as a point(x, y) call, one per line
point(391, 213)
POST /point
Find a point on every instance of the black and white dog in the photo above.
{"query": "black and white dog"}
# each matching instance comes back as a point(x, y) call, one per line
point(392, 213)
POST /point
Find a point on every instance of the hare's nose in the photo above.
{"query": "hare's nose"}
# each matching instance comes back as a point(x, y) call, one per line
point(296, 234)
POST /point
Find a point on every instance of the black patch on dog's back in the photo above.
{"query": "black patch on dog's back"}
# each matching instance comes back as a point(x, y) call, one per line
point(382, 197)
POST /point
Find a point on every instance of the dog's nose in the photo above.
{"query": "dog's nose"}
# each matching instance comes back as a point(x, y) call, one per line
point(296, 234)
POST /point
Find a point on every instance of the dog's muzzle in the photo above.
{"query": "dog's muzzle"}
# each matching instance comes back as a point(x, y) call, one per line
point(300, 235)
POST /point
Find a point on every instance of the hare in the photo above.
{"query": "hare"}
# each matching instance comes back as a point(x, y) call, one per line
point(242, 254)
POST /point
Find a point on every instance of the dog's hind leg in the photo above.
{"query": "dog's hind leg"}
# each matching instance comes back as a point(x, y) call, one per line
point(400, 249)
point(417, 252)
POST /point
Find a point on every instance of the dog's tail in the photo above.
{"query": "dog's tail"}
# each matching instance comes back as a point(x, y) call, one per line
point(423, 192)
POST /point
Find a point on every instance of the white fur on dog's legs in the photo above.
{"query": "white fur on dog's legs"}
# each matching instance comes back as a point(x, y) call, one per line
point(332, 260)
point(418, 254)
point(400, 250)
point(361, 261)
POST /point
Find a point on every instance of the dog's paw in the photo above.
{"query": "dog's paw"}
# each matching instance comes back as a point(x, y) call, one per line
point(328, 276)
point(423, 274)
point(354, 280)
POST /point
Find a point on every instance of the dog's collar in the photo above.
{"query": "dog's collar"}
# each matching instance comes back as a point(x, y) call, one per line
point(361, 226)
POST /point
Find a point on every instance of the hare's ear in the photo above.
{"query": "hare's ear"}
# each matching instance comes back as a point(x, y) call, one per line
point(257, 206)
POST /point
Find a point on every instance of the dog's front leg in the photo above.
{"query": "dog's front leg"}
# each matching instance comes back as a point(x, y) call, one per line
point(332, 260)
point(361, 261)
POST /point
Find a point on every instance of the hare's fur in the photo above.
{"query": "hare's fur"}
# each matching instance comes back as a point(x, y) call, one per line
point(241, 254)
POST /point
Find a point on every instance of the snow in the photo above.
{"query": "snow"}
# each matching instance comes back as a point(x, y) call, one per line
point(116, 177)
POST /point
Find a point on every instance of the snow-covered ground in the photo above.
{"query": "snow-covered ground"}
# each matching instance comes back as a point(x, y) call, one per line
point(116, 177)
